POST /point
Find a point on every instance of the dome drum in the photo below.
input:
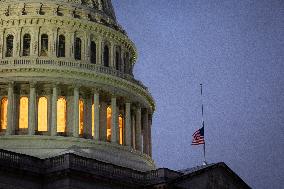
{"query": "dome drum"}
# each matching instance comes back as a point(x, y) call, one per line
point(66, 82)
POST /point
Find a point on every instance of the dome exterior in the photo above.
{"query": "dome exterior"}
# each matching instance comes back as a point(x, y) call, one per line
point(67, 83)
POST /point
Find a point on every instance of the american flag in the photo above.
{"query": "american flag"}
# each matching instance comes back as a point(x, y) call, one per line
point(198, 137)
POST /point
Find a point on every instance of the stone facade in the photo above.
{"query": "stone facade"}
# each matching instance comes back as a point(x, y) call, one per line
point(74, 52)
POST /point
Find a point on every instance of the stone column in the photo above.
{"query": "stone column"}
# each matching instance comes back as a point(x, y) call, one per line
point(97, 115)
point(150, 135)
point(103, 122)
point(32, 109)
point(53, 42)
point(138, 137)
point(35, 42)
point(1, 44)
point(87, 47)
point(114, 121)
point(127, 124)
point(111, 58)
point(10, 117)
point(145, 132)
point(88, 117)
point(53, 130)
point(99, 51)
point(133, 130)
point(76, 113)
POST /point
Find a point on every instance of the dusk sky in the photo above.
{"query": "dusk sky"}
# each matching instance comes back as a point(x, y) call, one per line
point(236, 49)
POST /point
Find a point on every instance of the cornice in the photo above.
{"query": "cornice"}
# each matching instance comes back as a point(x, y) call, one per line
point(84, 75)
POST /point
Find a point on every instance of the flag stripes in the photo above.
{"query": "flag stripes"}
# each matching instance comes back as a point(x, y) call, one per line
point(198, 137)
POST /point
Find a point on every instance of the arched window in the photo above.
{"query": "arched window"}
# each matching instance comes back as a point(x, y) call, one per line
point(61, 46)
point(81, 117)
point(121, 129)
point(61, 115)
point(26, 45)
point(93, 52)
point(42, 114)
point(109, 124)
point(9, 45)
point(24, 113)
point(106, 56)
point(44, 45)
point(4, 109)
point(117, 60)
point(78, 46)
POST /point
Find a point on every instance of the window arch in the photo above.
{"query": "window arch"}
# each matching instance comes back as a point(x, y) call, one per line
point(61, 46)
point(78, 48)
point(24, 113)
point(9, 45)
point(106, 56)
point(26, 45)
point(93, 52)
point(44, 45)
point(81, 117)
point(42, 114)
point(4, 114)
point(117, 60)
point(61, 115)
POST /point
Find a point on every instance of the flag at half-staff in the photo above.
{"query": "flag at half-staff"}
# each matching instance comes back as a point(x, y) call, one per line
point(198, 136)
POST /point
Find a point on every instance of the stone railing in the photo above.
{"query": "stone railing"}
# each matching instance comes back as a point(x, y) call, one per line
point(74, 162)
point(60, 63)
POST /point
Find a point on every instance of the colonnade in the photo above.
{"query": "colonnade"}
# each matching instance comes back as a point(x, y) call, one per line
point(87, 115)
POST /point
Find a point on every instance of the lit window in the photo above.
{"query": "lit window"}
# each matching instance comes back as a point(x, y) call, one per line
point(121, 129)
point(24, 113)
point(42, 114)
point(26, 45)
point(78, 46)
point(93, 120)
point(4, 109)
point(109, 124)
point(61, 46)
point(44, 45)
point(9, 45)
point(61, 115)
point(81, 117)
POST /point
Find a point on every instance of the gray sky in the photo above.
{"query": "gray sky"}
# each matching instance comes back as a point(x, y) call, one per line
point(236, 49)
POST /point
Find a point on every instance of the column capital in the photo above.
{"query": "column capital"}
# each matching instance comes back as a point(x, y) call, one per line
point(11, 84)
point(33, 84)
point(96, 90)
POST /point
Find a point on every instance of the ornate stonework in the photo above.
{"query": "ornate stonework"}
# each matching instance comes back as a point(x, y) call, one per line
point(73, 64)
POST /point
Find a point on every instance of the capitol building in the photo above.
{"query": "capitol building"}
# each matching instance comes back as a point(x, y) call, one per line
point(72, 114)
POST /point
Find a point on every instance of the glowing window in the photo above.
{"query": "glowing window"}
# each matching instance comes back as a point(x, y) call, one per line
point(93, 120)
point(81, 117)
point(121, 129)
point(24, 113)
point(9, 45)
point(42, 114)
point(44, 45)
point(61, 115)
point(109, 124)
point(26, 45)
point(4, 109)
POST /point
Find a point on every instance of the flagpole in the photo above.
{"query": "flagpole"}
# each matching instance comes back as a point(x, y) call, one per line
point(202, 113)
